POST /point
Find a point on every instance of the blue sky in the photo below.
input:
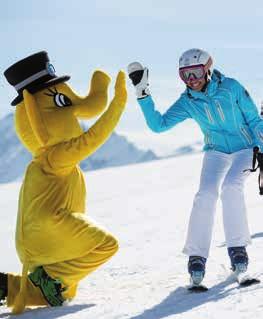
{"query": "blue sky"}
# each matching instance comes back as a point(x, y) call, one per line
point(82, 35)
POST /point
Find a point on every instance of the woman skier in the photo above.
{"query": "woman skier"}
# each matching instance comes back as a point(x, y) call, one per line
point(231, 126)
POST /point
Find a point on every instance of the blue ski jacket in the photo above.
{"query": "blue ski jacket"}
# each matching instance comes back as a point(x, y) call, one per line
point(225, 112)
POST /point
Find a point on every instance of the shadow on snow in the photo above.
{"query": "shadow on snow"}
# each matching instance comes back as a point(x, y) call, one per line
point(50, 313)
point(181, 300)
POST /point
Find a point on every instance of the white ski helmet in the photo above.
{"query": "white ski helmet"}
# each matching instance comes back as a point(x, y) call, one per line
point(194, 57)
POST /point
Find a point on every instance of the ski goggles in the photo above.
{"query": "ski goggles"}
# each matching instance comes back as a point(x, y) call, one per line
point(196, 72)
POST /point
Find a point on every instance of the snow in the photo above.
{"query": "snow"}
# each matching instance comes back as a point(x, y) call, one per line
point(147, 207)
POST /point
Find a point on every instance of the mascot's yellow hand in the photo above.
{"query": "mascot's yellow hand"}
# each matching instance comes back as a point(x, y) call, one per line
point(120, 89)
point(99, 82)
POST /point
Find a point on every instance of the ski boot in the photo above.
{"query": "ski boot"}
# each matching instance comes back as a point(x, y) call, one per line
point(3, 288)
point(239, 259)
point(196, 269)
point(239, 262)
point(50, 288)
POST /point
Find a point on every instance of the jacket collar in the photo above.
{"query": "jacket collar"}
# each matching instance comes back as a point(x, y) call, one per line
point(211, 88)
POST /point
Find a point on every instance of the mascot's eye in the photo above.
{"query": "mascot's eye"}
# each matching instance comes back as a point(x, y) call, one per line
point(61, 100)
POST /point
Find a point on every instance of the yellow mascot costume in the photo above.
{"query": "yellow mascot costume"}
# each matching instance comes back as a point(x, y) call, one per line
point(56, 243)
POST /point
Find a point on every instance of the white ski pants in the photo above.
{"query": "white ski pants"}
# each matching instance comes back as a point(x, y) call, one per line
point(222, 174)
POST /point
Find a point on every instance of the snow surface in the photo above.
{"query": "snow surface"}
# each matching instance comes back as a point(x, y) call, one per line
point(147, 207)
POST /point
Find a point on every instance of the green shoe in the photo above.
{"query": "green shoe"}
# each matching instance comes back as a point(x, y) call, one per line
point(3, 288)
point(51, 288)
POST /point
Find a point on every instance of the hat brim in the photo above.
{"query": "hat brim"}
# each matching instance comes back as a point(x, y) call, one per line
point(40, 87)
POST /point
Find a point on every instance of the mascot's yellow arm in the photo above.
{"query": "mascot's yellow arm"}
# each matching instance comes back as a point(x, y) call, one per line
point(69, 153)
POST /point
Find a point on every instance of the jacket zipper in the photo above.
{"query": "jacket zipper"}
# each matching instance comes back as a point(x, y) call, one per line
point(219, 124)
point(260, 135)
point(246, 135)
point(207, 139)
point(208, 114)
point(220, 111)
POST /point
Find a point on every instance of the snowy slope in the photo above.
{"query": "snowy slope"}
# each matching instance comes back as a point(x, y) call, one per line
point(147, 207)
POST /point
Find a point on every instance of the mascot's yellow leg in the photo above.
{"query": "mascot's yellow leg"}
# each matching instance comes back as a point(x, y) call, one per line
point(72, 271)
point(73, 247)
point(34, 295)
point(69, 272)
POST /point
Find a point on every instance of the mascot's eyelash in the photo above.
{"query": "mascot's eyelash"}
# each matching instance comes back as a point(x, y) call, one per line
point(52, 93)
point(60, 99)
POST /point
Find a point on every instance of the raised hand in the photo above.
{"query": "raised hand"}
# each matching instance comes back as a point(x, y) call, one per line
point(120, 88)
point(139, 76)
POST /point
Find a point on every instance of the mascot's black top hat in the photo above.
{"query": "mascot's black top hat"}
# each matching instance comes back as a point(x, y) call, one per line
point(33, 73)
